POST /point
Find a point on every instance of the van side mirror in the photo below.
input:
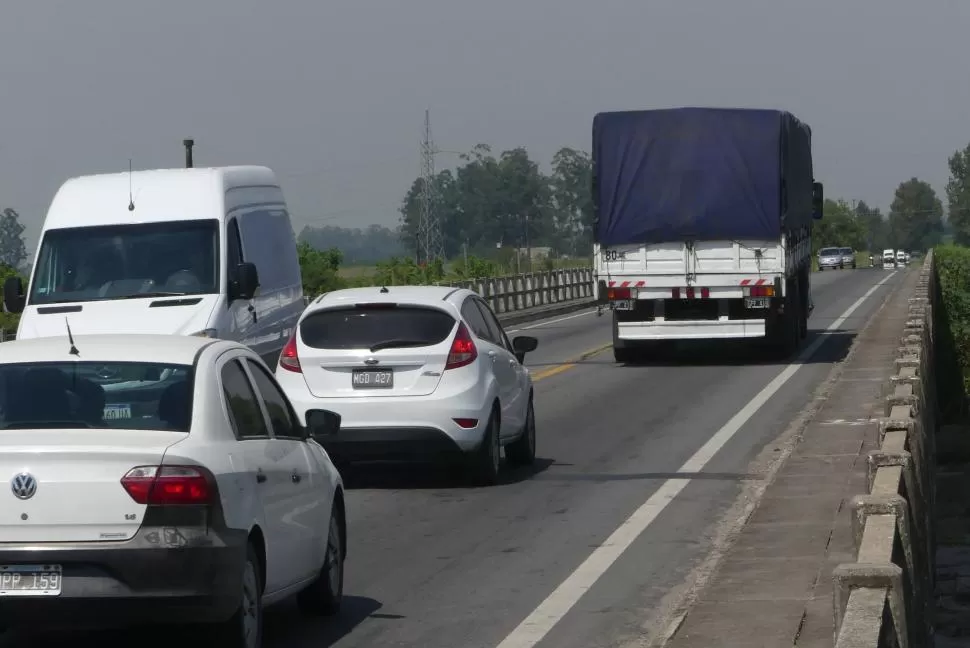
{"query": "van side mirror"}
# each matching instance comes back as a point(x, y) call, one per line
point(818, 200)
point(245, 282)
point(13, 295)
point(322, 424)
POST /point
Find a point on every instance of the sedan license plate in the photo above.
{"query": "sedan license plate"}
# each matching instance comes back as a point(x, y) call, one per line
point(30, 580)
point(756, 302)
point(624, 305)
point(373, 379)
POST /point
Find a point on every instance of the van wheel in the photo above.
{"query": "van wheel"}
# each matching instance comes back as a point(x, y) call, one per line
point(244, 629)
point(522, 451)
point(487, 459)
point(324, 597)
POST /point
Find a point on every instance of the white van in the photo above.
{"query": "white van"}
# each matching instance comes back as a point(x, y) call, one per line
point(193, 251)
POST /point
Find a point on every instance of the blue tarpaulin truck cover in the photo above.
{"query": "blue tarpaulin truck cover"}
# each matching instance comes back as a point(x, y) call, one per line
point(691, 174)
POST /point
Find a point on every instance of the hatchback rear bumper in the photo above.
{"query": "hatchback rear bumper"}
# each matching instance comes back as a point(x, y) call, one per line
point(394, 444)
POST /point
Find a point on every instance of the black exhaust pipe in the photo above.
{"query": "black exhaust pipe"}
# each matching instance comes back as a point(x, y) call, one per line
point(188, 143)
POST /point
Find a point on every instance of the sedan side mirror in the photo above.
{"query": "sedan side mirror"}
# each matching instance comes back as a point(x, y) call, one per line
point(13, 295)
point(322, 424)
point(245, 282)
point(523, 344)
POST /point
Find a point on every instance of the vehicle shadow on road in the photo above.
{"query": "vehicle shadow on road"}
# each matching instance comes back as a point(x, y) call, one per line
point(285, 626)
point(728, 353)
point(430, 477)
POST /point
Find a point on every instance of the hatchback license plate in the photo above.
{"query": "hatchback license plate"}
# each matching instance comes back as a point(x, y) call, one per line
point(30, 580)
point(373, 379)
point(756, 302)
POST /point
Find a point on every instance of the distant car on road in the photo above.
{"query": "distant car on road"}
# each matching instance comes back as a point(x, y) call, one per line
point(848, 257)
point(188, 493)
point(902, 257)
point(830, 258)
point(889, 258)
point(416, 372)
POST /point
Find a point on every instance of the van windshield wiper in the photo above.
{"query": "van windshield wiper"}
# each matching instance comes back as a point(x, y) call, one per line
point(391, 344)
point(148, 295)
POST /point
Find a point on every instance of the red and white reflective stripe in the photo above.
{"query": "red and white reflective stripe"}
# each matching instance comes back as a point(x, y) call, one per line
point(753, 282)
point(692, 292)
point(626, 284)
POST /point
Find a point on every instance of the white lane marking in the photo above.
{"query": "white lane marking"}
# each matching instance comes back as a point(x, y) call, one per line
point(555, 321)
point(535, 626)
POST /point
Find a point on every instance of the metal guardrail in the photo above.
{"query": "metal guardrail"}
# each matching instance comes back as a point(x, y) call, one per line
point(884, 598)
point(534, 290)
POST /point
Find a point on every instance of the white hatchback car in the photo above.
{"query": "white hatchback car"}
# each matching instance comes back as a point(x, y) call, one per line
point(415, 372)
point(160, 478)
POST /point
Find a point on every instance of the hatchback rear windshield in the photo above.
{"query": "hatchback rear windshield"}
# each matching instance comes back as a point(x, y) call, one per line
point(377, 326)
point(829, 252)
point(101, 395)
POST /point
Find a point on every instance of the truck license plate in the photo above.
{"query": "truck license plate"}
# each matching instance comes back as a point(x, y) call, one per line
point(624, 304)
point(756, 302)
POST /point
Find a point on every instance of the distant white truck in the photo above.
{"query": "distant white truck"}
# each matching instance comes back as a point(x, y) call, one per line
point(889, 258)
point(687, 246)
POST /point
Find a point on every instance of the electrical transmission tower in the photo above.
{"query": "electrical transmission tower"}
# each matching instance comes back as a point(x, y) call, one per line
point(429, 227)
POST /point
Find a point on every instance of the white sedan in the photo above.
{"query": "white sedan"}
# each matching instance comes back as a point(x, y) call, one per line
point(416, 372)
point(157, 478)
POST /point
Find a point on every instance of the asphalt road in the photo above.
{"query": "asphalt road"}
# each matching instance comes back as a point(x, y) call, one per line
point(434, 564)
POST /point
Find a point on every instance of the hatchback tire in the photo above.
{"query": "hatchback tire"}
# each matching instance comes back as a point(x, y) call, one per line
point(522, 451)
point(324, 596)
point(487, 459)
point(244, 629)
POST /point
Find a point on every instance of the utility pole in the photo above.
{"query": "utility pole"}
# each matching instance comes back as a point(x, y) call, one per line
point(429, 227)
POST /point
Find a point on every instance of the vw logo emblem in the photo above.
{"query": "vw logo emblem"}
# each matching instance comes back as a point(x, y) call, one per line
point(23, 485)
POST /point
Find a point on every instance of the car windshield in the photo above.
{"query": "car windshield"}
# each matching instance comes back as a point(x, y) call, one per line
point(829, 252)
point(376, 327)
point(102, 395)
point(847, 251)
point(81, 264)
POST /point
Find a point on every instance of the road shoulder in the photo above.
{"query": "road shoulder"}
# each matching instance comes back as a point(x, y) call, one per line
point(772, 585)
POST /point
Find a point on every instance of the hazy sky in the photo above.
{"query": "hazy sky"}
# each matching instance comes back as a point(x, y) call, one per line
point(331, 94)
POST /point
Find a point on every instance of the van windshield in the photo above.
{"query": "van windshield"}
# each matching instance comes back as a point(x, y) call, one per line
point(81, 264)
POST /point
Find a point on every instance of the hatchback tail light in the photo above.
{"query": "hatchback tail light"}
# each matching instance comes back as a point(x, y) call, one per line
point(168, 486)
point(463, 351)
point(289, 358)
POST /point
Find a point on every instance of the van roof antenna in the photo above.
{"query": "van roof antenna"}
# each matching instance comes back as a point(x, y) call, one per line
point(131, 195)
point(70, 338)
point(384, 290)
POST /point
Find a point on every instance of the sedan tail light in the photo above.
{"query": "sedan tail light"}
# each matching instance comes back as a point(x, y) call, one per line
point(168, 486)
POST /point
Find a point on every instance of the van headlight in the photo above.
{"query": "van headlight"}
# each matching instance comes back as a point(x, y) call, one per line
point(206, 333)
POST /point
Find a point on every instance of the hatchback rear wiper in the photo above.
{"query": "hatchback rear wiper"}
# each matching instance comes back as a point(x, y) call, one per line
point(390, 344)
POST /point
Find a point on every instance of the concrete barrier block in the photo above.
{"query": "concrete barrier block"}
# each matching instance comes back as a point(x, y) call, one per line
point(863, 506)
point(910, 338)
point(902, 394)
point(862, 619)
point(885, 576)
point(908, 361)
point(886, 459)
point(900, 418)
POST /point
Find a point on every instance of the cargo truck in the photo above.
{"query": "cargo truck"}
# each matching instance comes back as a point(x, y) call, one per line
point(703, 226)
